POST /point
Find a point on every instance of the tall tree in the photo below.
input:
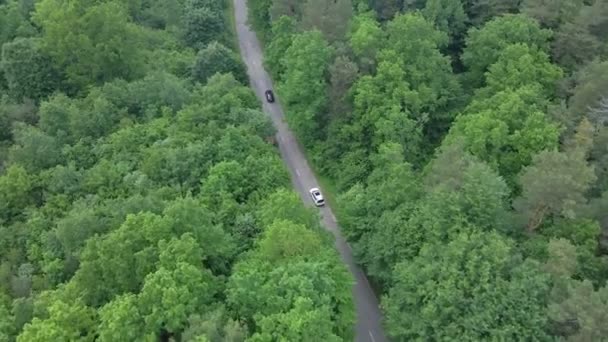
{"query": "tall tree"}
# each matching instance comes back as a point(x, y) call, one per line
point(448, 16)
point(469, 289)
point(366, 39)
point(202, 24)
point(507, 129)
point(553, 185)
point(66, 322)
point(551, 13)
point(343, 74)
point(304, 87)
point(330, 17)
point(583, 37)
point(484, 45)
point(93, 44)
point(216, 58)
point(290, 8)
point(29, 72)
point(480, 11)
point(583, 312)
point(282, 30)
point(517, 66)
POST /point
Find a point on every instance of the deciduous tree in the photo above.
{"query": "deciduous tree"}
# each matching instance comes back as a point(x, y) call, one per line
point(468, 289)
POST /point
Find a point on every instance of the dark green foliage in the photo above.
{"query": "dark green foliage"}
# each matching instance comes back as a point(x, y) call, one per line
point(216, 58)
point(28, 70)
point(202, 24)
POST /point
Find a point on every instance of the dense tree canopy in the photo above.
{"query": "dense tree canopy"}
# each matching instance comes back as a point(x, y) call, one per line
point(138, 189)
point(466, 141)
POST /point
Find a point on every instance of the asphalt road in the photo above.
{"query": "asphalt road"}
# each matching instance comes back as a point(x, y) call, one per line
point(368, 326)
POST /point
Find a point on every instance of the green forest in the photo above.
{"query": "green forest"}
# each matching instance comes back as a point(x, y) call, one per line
point(465, 145)
point(140, 196)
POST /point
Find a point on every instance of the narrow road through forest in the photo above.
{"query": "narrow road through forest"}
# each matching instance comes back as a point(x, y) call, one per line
point(368, 326)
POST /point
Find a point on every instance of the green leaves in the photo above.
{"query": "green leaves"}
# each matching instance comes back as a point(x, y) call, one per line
point(467, 289)
point(93, 44)
point(581, 315)
point(28, 69)
point(553, 185)
point(216, 58)
point(292, 285)
point(16, 187)
point(66, 322)
point(484, 45)
point(506, 130)
point(303, 89)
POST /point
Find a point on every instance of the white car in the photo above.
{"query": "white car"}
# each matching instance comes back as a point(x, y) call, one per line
point(317, 198)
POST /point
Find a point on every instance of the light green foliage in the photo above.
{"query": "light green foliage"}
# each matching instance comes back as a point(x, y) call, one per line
point(303, 89)
point(123, 258)
point(15, 20)
point(366, 37)
point(459, 192)
point(216, 58)
point(283, 30)
point(214, 326)
point(484, 45)
point(482, 193)
point(121, 321)
point(6, 321)
point(519, 65)
point(584, 235)
point(130, 193)
point(170, 296)
point(92, 43)
point(66, 322)
point(285, 205)
point(292, 263)
point(506, 130)
point(304, 322)
point(427, 71)
point(284, 240)
point(378, 109)
point(158, 14)
point(460, 290)
point(374, 212)
point(561, 262)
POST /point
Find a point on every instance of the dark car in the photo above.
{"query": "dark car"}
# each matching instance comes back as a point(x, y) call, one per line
point(269, 96)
